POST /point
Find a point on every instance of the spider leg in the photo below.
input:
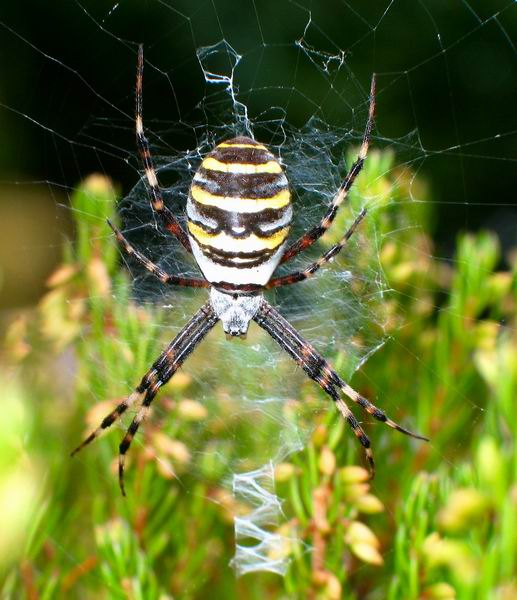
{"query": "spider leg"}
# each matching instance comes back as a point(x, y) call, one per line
point(319, 370)
point(158, 375)
point(155, 369)
point(154, 268)
point(113, 416)
point(170, 222)
point(325, 258)
point(306, 240)
point(169, 364)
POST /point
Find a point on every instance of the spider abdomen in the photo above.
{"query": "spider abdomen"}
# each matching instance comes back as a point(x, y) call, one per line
point(239, 211)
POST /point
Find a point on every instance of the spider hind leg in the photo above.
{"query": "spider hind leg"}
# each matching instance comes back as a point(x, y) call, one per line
point(326, 384)
point(376, 413)
point(111, 417)
point(169, 361)
point(319, 370)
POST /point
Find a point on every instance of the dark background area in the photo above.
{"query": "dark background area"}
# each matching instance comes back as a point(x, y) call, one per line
point(447, 92)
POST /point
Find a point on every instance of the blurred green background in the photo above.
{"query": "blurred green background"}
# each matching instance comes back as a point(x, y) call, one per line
point(439, 519)
point(447, 74)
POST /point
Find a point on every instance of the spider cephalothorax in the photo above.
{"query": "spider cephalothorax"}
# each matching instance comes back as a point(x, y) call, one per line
point(239, 211)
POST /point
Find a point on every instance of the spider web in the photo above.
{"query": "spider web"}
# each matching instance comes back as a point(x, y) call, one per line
point(297, 80)
point(313, 157)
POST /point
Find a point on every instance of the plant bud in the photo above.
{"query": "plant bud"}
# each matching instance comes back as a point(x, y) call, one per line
point(333, 589)
point(284, 471)
point(173, 448)
point(327, 462)
point(359, 533)
point(319, 436)
point(354, 474)
point(464, 508)
point(369, 504)
point(490, 465)
point(367, 553)
point(191, 410)
point(440, 591)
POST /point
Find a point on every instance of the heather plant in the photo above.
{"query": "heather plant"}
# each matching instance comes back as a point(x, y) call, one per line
point(437, 522)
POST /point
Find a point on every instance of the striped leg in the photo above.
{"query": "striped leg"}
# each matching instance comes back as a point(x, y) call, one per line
point(325, 258)
point(169, 221)
point(155, 269)
point(318, 369)
point(316, 232)
point(155, 369)
point(158, 375)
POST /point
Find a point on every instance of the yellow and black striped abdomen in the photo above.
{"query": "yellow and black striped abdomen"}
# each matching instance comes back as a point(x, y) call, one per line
point(239, 211)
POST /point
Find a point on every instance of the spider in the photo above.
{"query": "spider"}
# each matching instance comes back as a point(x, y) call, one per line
point(239, 213)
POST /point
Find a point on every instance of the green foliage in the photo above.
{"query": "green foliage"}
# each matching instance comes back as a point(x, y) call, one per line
point(439, 520)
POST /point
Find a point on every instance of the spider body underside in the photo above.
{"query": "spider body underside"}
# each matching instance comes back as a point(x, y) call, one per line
point(239, 212)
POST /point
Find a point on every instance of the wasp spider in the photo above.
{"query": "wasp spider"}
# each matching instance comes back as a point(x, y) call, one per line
point(239, 212)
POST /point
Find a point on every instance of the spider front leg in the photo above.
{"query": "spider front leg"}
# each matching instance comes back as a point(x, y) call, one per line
point(170, 222)
point(158, 375)
point(154, 268)
point(320, 371)
point(316, 232)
